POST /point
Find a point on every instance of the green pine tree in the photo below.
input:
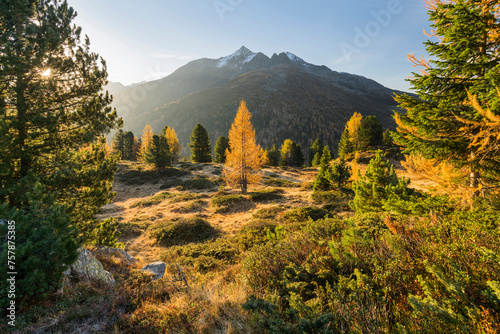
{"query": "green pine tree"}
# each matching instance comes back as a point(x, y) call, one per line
point(387, 139)
point(274, 156)
point(370, 132)
point(45, 241)
point(345, 145)
point(200, 145)
point(128, 146)
point(464, 61)
point(53, 112)
point(123, 143)
point(117, 143)
point(297, 155)
point(220, 149)
point(158, 152)
point(316, 147)
point(379, 182)
point(316, 161)
point(340, 173)
point(323, 179)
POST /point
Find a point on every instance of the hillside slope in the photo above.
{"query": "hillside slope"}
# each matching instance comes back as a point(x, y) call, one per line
point(288, 98)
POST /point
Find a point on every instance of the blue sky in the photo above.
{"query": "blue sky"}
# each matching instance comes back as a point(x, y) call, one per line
point(149, 39)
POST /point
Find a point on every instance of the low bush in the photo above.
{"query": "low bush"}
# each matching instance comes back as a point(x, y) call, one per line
point(200, 183)
point(185, 197)
point(269, 213)
point(258, 224)
point(224, 203)
point(304, 214)
point(334, 200)
point(264, 264)
point(152, 200)
point(254, 233)
point(181, 231)
point(172, 183)
point(193, 206)
point(207, 256)
point(266, 195)
point(140, 177)
point(132, 229)
point(332, 196)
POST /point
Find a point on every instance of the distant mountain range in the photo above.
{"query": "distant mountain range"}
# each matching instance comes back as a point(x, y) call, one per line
point(288, 98)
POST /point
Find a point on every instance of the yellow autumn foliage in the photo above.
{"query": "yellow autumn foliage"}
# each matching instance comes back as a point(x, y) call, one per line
point(147, 137)
point(352, 126)
point(244, 158)
point(173, 142)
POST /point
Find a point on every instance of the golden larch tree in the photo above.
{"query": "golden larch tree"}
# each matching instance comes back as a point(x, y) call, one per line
point(147, 137)
point(286, 152)
point(173, 142)
point(352, 126)
point(244, 158)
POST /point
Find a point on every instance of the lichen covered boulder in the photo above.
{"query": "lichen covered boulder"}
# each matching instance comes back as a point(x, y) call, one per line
point(87, 267)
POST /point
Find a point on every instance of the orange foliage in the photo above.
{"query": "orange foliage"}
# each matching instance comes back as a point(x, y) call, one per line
point(352, 126)
point(483, 134)
point(173, 142)
point(447, 178)
point(244, 157)
point(146, 139)
point(107, 150)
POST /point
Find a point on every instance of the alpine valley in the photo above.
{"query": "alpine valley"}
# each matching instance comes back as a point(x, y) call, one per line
point(288, 98)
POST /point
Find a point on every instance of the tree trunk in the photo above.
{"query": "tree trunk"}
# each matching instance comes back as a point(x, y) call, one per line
point(22, 131)
point(474, 178)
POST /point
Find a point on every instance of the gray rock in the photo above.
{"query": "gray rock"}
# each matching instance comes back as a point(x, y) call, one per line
point(157, 268)
point(87, 267)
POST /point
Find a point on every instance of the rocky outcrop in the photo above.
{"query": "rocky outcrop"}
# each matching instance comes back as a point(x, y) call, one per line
point(88, 268)
point(156, 268)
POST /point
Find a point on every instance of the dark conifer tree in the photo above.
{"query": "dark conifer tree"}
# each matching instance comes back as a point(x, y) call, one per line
point(53, 118)
point(200, 145)
point(387, 140)
point(316, 147)
point(57, 113)
point(220, 149)
point(370, 132)
point(345, 145)
point(123, 143)
point(464, 61)
point(297, 155)
point(340, 173)
point(317, 159)
point(128, 146)
point(323, 179)
point(117, 143)
point(379, 182)
point(274, 156)
point(158, 152)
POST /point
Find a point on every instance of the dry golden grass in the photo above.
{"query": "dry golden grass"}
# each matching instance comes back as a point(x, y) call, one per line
point(145, 249)
point(228, 223)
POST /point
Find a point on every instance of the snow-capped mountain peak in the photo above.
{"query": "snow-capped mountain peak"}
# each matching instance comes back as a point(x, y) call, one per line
point(238, 58)
point(297, 60)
